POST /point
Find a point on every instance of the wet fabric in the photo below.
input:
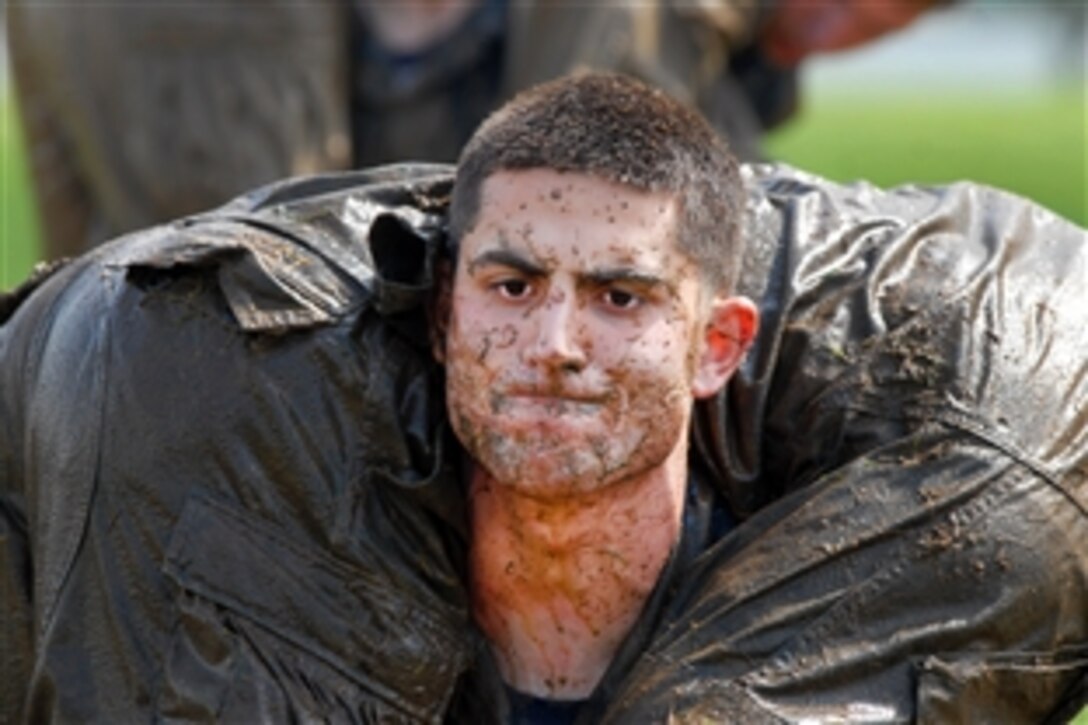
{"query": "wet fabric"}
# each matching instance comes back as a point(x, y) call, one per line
point(911, 433)
point(227, 491)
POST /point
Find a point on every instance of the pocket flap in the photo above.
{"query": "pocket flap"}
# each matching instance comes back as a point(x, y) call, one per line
point(352, 616)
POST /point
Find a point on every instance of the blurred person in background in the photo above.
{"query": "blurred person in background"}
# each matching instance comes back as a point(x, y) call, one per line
point(139, 114)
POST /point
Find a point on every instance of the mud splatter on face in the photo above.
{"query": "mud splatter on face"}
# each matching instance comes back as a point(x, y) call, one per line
point(571, 340)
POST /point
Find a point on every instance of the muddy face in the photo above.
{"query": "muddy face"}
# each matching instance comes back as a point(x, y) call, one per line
point(573, 332)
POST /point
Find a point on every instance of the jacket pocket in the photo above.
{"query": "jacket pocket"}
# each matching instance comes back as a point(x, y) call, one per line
point(273, 629)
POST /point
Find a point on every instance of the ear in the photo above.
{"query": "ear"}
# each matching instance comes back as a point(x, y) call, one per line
point(439, 312)
point(729, 332)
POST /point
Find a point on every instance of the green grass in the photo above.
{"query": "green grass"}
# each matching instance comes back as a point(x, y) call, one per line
point(1033, 145)
point(19, 231)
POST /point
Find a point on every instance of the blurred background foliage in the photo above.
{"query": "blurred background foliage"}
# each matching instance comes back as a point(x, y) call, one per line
point(989, 90)
point(19, 233)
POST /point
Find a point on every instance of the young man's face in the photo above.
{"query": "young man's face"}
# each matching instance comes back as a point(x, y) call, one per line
point(575, 329)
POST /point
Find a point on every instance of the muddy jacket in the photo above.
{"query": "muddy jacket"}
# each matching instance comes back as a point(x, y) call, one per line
point(227, 491)
point(911, 433)
point(223, 476)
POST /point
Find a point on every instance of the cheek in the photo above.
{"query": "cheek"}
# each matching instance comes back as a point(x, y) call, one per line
point(478, 355)
point(661, 353)
point(467, 377)
point(478, 332)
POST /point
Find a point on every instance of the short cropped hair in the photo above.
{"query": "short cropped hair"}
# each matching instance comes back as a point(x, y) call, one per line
point(619, 129)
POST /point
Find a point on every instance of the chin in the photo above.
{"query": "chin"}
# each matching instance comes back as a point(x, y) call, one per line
point(540, 469)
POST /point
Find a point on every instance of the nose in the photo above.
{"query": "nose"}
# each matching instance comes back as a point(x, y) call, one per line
point(558, 340)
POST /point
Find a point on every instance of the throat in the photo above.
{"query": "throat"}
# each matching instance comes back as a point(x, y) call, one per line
point(558, 584)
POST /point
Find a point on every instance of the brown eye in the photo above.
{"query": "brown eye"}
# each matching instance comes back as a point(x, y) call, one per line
point(513, 289)
point(621, 299)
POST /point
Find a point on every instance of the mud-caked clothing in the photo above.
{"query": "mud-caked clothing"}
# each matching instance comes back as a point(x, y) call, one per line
point(909, 435)
point(225, 489)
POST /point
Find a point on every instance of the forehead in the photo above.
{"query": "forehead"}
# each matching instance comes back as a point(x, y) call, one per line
point(546, 211)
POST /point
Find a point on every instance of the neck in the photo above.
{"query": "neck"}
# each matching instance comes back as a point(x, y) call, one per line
point(557, 584)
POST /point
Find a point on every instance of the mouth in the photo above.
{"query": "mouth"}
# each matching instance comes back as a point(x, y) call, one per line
point(559, 394)
point(547, 402)
point(556, 397)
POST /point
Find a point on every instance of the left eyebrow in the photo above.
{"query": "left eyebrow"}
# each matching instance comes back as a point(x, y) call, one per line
point(611, 275)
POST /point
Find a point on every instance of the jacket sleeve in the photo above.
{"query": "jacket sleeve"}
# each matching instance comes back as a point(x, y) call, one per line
point(22, 313)
point(225, 457)
point(910, 436)
point(15, 650)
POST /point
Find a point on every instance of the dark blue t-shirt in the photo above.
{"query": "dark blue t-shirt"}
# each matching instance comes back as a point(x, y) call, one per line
point(529, 710)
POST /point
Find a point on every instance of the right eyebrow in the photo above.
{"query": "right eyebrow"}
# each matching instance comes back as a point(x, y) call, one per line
point(507, 258)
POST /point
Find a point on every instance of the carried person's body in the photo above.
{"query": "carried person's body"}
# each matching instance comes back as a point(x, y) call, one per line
point(229, 489)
